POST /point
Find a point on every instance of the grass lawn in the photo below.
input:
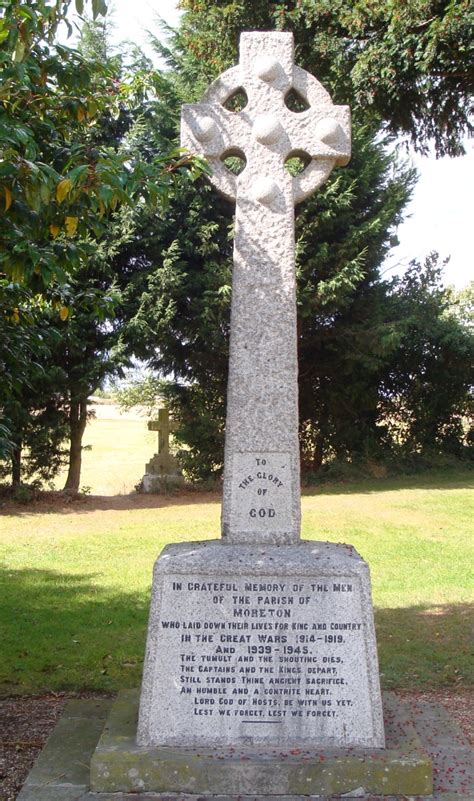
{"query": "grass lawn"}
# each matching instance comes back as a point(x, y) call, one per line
point(76, 578)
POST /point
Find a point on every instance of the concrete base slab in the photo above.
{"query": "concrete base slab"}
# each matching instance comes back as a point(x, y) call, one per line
point(119, 765)
point(62, 770)
point(61, 773)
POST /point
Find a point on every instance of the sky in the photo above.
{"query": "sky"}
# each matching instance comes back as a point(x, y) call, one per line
point(440, 215)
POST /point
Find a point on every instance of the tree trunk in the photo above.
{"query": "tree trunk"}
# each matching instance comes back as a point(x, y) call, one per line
point(77, 424)
point(16, 466)
point(318, 454)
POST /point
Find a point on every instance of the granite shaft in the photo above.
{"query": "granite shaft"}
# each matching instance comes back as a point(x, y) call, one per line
point(261, 474)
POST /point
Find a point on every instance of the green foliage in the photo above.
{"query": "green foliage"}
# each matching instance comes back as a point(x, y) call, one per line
point(200, 410)
point(182, 300)
point(58, 180)
point(461, 304)
point(72, 182)
point(26, 340)
point(25, 494)
point(408, 65)
point(58, 351)
point(345, 333)
point(143, 391)
point(426, 391)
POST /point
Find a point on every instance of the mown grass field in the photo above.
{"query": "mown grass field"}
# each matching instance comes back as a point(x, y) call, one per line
point(117, 448)
point(76, 578)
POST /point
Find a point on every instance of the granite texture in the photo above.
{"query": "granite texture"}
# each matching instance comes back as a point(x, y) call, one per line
point(262, 403)
point(261, 646)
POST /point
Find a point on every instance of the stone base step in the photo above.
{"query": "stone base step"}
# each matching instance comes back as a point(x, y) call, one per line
point(62, 771)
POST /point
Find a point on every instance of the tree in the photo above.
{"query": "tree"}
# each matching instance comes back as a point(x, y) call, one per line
point(69, 178)
point(352, 325)
point(407, 65)
point(57, 181)
point(461, 304)
point(26, 347)
point(46, 403)
point(86, 354)
point(39, 110)
point(425, 393)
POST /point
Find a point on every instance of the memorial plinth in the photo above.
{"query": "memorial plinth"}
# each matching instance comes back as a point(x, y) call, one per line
point(235, 773)
point(259, 646)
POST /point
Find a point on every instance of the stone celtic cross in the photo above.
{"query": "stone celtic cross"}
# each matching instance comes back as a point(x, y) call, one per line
point(261, 500)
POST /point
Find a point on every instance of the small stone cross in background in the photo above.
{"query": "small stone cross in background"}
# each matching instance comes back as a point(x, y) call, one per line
point(163, 463)
point(261, 496)
point(165, 427)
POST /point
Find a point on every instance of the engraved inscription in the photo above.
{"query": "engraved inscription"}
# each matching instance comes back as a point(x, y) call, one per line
point(258, 652)
point(262, 491)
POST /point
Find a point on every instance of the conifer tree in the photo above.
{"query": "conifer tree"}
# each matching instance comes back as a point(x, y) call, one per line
point(405, 74)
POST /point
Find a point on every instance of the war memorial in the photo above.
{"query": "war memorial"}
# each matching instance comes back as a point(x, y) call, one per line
point(261, 675)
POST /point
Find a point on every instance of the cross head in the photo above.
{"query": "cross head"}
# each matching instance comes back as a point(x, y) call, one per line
point(165, 427)
point(266, 133)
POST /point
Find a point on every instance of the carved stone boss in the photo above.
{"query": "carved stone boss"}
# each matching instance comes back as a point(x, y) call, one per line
point(261, 500)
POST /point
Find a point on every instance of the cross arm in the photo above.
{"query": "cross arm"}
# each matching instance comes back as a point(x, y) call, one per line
point(321, 132)
point(215, 133)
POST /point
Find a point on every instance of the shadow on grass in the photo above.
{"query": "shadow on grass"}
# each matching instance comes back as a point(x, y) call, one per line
point(63, 632)
point(432, 480)
point(57, 503)
point(425, 646)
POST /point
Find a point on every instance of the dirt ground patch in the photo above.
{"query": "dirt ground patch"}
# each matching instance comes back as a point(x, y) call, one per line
point(27, 722)
point(62, 503)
